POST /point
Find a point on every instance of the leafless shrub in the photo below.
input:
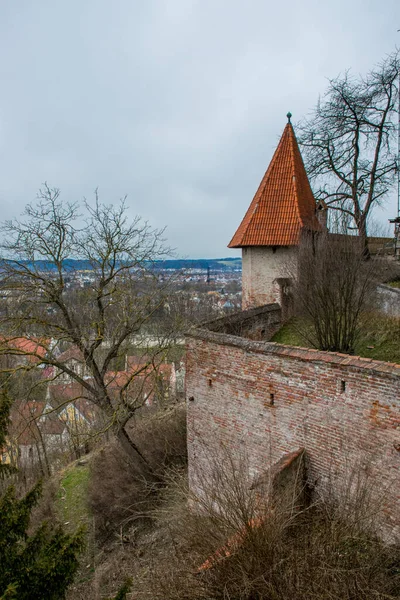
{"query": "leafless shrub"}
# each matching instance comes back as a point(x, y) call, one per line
point(45, 509)
point(323, 552)
point(334, 285)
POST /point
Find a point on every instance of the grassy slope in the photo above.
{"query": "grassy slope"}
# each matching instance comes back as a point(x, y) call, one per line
point(73, 511)
point(379, 337)
point(71, 501)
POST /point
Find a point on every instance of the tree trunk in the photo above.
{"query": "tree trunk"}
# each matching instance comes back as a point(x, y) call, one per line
point(132, 450)
point(362, 232)
point(118, 428)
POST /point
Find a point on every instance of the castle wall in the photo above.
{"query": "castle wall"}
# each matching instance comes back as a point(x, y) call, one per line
point(259, 323)
point(264, 400)
point(261, 266)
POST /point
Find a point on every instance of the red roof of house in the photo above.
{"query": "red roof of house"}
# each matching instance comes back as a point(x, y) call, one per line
point(29, 420)
point(61, 393)
point(30, 410)
point(34, 348)
point(284, 203)
point(138, 370)
point(24, 424)
point(71, 353)
point(52, 425)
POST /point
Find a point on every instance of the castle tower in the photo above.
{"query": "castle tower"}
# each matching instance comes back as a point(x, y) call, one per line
point(269, 234)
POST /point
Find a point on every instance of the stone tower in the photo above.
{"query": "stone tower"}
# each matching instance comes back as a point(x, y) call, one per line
point(269, 234)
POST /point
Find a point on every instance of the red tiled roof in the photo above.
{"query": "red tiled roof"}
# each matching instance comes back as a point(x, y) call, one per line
point(29, 420)
point(34, 348)
point(144, 364)
point(60, 393)
point(52, 425)
point(72, 353)
point(24, 417)
point(117, 379)
point(48, 372)
point(30, 410)
point(87, 409)
point(284, 203)
point(137, 370)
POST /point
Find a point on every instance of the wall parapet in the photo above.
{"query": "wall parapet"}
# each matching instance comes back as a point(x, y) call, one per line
point(295, 352)
point(258, 323)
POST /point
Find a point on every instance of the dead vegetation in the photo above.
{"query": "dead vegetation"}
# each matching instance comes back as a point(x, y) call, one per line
point(121, 495)
point(218, 546)
point(323, 552)
point(176, 544)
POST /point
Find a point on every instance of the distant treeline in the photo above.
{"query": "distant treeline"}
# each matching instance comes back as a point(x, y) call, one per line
point(214, 264)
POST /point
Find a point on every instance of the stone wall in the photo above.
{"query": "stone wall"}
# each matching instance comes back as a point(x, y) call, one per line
point(261, 267)
point(265, 400)
point(388, 300)
point(256, 323)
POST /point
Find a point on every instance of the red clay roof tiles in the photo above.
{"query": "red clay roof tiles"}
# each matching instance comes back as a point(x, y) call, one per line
point(284, 203)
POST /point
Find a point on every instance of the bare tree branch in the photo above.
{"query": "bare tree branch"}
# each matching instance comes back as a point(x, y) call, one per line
point(122, 294)
point(348, 142)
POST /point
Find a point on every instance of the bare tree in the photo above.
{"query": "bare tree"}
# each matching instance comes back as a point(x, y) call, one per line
point(332, 289)
point(348, 142)
point(97, 317)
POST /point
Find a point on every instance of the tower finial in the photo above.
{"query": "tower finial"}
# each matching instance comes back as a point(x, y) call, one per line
point(289, 116)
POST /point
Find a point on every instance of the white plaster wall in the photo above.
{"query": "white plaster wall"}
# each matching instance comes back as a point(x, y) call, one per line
point(261, 266)
point(388, 300)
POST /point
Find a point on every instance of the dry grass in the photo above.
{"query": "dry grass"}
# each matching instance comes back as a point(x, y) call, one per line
point(322, 552)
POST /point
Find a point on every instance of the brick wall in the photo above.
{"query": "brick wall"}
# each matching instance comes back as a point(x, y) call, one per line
point(264, 400)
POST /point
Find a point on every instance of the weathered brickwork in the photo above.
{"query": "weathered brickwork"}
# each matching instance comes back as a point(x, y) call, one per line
point(266, 400)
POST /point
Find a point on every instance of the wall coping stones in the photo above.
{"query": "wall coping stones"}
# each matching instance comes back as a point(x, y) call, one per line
point(390, 288)
point(240, 317)
point(295, 352)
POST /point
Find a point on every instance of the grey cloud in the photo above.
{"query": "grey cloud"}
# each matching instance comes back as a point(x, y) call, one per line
point(177, 103)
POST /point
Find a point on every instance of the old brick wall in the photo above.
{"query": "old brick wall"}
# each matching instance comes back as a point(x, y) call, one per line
point(264, 400)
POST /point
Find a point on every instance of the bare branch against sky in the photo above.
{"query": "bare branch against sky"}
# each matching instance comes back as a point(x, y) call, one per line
point(178, 104)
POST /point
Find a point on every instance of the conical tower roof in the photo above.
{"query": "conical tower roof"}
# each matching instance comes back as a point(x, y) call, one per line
point(284, 204)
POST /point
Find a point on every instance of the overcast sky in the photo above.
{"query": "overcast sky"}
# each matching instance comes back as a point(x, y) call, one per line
point(177, 103)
